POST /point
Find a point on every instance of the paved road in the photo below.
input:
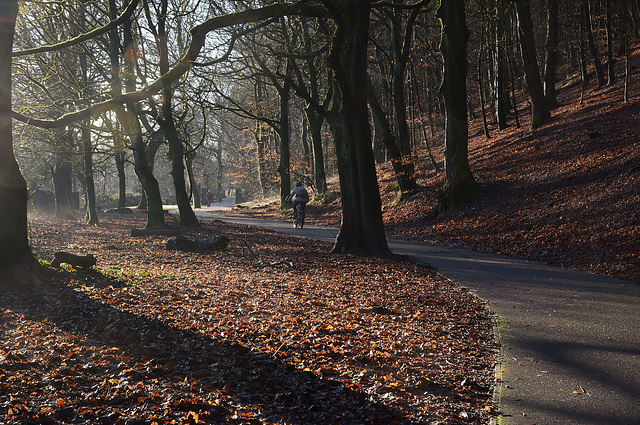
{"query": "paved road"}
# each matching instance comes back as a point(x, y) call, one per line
point(570, 341)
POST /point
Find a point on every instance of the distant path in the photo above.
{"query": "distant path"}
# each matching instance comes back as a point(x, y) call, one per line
point(570, 341)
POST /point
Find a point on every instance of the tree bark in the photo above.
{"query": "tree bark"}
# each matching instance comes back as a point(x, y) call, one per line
point(315, 121)
point(611, 74)
point(361, 229)
point(540, 113)
point(15, 253)
point(284, 166)
point(586, 14)
point(551, 58)
point(122, 176)
point(460, 183)
point(499, 74)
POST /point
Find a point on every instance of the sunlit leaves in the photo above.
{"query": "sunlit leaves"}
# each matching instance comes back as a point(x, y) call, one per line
point(296, 336)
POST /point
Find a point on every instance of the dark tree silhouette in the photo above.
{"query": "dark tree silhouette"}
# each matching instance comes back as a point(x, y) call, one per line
point(460, 183)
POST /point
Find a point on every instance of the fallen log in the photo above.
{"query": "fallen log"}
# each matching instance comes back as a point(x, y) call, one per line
point(218, 243)
point(81, 261)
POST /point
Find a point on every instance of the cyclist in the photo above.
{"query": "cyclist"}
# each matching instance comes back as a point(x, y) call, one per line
point(300, 197)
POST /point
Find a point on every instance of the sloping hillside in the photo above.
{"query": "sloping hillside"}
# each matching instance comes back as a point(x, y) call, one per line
point(567, 194)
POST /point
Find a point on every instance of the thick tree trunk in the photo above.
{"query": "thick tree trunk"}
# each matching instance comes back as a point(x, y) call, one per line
point(460, 183)
point(540, 113)
point(155, 212)
point(361, 228)
point(176, 158)
point(551, 58)
point(15, 253)
point(176, 147)
point(130, 121)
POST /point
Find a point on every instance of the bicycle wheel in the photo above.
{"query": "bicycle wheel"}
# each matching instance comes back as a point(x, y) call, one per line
point(296, 215)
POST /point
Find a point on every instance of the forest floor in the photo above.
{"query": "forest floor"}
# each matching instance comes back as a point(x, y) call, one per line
point(567, 194)
point(264, 332)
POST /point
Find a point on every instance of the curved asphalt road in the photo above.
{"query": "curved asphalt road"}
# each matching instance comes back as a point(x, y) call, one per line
point(570, 341)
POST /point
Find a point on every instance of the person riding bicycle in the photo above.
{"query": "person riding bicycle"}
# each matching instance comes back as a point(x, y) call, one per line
point(300, 197)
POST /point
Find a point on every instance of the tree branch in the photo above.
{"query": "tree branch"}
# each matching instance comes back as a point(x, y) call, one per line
point(126, 14)
point(198, 34)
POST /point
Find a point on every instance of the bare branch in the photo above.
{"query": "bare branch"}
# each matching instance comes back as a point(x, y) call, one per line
point(126, 14)
point(198, 34)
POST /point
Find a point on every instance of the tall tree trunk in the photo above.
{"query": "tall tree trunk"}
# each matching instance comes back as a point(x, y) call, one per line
point(582, 51)
point(116, 87)
point(194, 192)
point(401, 47)
point(551, 58)
point(499, 75)
point(586, 8)
point(611, 73)
point(176, 147)
point(62, 177)
point(284, 167)
point(122, 176)
point(626, 40)
point(91, 214)
point(315, 121)
point(460, 183)
point(383, 129)
point(15, 253)
point(129, 119)
point(219, 172)
point(361, 228)
point(540, 113)
point(131, 124)
point(262, 145)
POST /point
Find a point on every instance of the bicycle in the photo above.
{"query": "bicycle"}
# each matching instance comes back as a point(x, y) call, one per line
point(298, 215)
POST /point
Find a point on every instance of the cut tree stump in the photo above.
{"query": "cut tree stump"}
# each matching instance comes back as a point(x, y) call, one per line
point(82, 261)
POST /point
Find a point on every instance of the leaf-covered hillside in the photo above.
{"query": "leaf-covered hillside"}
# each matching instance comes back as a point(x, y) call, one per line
point(567, 194)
